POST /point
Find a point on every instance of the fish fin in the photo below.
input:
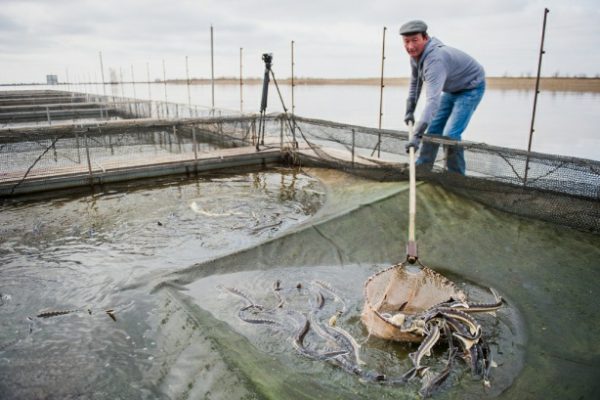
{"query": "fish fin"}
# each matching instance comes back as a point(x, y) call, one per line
point(111, 314)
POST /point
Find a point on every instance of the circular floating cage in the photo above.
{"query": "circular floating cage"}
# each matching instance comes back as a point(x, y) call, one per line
point(403, 291)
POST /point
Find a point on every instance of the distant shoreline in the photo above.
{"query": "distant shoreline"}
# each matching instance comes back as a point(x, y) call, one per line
point(591, 85)
point(503, 83)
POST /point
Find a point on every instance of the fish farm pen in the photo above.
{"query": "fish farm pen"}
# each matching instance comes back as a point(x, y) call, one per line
point(140, 237)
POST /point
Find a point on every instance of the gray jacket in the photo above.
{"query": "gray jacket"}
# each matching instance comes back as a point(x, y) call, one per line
point(444, 69)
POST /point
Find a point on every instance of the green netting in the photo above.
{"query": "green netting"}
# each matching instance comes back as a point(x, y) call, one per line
point(555, 188)
point(560, 189)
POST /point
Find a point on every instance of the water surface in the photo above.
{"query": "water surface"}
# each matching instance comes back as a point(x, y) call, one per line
point(157, 254)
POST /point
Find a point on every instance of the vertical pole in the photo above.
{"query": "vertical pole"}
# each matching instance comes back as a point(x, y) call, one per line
point(165, 84)
point(212, 67)
point(195, 143)
point(293, 104)
point(133, 87)
point(148, 79)
point(67, 78)
point(281, 134)
point(77, 144)
point(353, 137)
point(48, 115)
point(187, 75)
point(381, 95)
point(121, 82)
point(103, 85)
point(241, 84)
point(537, 90)
point(149, 89)
point(133, 82)
point(89, 162)
point(177, 138)
point(102, 73)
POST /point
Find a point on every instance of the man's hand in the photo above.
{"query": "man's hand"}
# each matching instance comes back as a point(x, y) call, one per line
point(415, 142)
point(409, 117)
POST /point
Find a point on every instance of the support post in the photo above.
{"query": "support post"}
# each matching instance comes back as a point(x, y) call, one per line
point(149, 86)
point(293, 63)
point(281, 133)
point(178, 139)
point(165, 84)
point(381, 94)
point(241, 84)
point(212, 67)
point(353, 141)
point(134, 93)
point(187, 76)
point(103, 83)
point(121, 84)
point(78, 152)
point(535, 96)
point(195, 144)
point(89, 162)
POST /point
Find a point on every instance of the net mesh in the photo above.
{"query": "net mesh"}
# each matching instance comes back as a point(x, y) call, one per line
point(559, 189)
point(403, 290)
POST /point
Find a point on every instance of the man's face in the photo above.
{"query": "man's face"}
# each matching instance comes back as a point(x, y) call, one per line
point(414, 44)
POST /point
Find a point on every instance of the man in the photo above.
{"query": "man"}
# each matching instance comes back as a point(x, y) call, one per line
point(455, 84)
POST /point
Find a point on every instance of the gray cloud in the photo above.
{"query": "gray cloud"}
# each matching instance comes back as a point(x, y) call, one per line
point(333, 37)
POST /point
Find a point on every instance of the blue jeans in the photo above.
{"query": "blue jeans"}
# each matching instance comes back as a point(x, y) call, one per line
point(451, 120)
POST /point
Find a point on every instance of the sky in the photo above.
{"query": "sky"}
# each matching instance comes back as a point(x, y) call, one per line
point(332, 38)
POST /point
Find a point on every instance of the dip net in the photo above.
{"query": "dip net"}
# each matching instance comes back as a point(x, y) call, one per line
point(403, 290)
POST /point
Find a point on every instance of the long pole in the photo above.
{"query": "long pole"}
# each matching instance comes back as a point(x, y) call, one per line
point(212, 66)
point(121, 84)
point(133, 82)
point(241, 84)
point(148, 78)
point(164, 78)
point(187, 75)
point(149, 90)
point(411, 247)
point(102, 73)
point(535, 95)
point(381, 94)
point(293, 104)
point(165, 85)
point(378, 145)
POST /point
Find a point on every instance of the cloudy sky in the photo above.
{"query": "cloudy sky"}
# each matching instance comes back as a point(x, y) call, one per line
point(333, 38)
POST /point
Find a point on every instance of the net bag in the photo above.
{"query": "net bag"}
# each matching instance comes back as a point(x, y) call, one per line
point(394, 295)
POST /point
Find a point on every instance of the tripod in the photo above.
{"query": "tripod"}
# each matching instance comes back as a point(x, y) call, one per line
point(268, 58)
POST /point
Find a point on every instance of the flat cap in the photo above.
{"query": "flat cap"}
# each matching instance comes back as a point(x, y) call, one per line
point(411, 27)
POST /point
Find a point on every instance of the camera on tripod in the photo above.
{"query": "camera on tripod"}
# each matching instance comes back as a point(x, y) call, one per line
point(267, 58)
